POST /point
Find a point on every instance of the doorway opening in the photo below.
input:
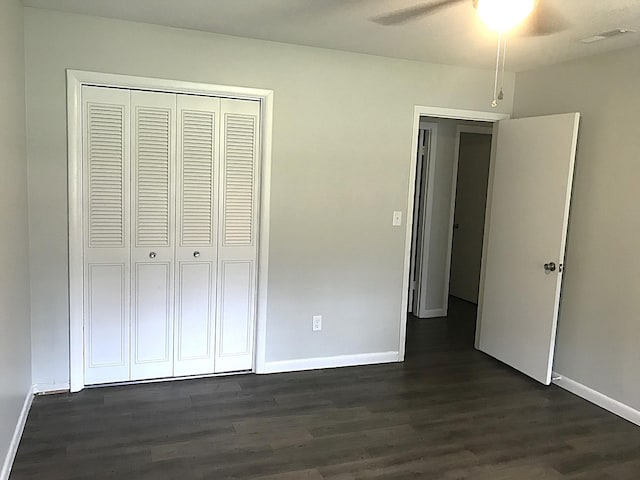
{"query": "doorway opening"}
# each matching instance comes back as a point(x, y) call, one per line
point(452, 177)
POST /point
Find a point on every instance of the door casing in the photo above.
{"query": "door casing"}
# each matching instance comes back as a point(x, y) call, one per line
point(75, 80)
point(425, 209)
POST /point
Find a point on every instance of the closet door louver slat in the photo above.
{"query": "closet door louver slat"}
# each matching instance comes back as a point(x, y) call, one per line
point(106, 156)
point(240, 138)
point(153, 153)
point(197, 177)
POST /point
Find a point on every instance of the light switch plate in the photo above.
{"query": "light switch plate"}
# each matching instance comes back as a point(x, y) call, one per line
point(397, 219)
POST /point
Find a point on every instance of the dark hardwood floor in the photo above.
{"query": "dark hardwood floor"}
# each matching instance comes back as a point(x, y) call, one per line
point(449, 412)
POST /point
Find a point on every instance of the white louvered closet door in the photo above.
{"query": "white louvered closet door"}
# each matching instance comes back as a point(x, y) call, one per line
point(237, 245)
point(152, 251)
point(196, 234)
point(105, 171)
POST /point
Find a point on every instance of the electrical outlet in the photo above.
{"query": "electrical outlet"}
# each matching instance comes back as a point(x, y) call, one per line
point(317, 323)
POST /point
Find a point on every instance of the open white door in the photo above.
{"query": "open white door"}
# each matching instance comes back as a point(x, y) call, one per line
point(527, 217)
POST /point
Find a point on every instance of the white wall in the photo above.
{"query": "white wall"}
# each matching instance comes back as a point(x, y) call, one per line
point(598, 341)
point(15, 356)
point(337, 176)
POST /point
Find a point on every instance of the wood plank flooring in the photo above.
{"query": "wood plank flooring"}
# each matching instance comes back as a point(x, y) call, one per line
point(449, 412)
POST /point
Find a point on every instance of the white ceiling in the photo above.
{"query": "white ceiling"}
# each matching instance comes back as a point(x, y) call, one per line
point(454, 36)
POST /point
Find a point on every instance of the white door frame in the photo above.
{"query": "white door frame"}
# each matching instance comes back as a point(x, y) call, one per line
point(75, 80)
point(423, 238)
point(460, 129)
point(437, 112)
point(414, 239)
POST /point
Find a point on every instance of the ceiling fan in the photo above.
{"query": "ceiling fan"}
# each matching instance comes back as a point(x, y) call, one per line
point(541, 17)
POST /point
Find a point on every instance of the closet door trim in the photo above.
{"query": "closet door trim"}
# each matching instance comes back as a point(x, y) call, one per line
point(76, 79)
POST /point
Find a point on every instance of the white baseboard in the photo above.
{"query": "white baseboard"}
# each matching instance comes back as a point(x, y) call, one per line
point(50, 387)
point(17, 435)
point(600, 399)
point(330, 362)
point(433, 313)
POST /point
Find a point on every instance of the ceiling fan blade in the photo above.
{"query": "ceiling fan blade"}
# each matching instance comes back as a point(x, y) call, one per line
point(412, 13)
point(544, 20)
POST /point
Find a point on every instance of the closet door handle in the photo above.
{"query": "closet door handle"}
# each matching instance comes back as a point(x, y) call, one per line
point(196, 254)
point(152, 255)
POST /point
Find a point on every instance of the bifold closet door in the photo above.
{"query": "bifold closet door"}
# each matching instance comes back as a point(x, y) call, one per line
point(196, 235)
point(105, 184)
point(152, 250)
point(237, 245)
point(170, 208)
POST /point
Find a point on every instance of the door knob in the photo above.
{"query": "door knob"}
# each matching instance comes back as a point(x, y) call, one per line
point(152, 255)
point(196, 254)
point(550, 267)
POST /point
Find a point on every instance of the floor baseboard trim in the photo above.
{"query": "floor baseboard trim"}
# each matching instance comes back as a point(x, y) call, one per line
point(614, 406)
point(17, 435)
point(434, 313)
point(300, 364)
point(45, 388)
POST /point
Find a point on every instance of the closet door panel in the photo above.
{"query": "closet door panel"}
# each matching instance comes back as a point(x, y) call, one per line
point(197, 238)
point(106, 323)
point(238, 221)
point(194, 319)
point(152, 316)
point(153, 226)
point(106, 234)
point(236, 305)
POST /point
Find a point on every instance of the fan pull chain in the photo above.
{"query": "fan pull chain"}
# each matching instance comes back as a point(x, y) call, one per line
point(504, 61)
point(494, 103)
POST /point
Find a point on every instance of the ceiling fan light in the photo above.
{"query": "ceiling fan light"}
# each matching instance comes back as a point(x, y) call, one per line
point(503, 15)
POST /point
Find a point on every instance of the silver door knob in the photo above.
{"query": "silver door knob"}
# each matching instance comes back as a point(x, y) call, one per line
point(196, 254)
point(152, 255)
point(550, 267)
